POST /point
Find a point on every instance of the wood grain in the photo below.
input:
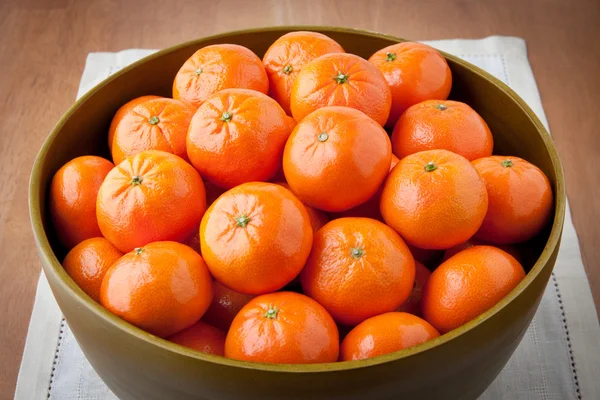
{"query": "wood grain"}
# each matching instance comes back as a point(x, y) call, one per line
point(45, 44)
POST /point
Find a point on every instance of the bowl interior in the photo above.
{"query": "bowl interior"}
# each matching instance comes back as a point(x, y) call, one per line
point(83, 131)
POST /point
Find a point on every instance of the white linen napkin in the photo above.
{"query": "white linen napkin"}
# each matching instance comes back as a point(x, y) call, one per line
point(557, 359)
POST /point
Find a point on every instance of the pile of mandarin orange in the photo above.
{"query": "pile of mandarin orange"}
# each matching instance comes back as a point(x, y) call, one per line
point(264, 208)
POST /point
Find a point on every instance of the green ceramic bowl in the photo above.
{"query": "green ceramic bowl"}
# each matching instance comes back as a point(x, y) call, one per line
point(137, 365)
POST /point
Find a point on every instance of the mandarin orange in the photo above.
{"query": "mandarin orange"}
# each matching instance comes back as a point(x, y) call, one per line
point(414, 72)
point(341, 79)
point(468, 284)
point(283, 328)
point(434, 199)
point(217, 67)
point(162, 288)
point(73, 193)
point(358, 268)
point(336, 158)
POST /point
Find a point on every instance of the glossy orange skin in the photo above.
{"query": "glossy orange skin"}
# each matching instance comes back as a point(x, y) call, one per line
point(468, 284)
point(136, 131)
point(419, 72)
point(122, 111)
point(385, 333)
point(88, 262)
point(246, 148)
point(365, 89)
point(201, 337)
point(73, 193)
point(285, 58)
point(437, 209)
point(455, 127)
point(512, 250)
point(256, 237)
point(413, 304)
point(168, 204)
point(370, 208)
point(354, 287)
point(317, 217)
point(520, 197)
point(222, 66)
point(299, 332)
point(162, 288)
point(326, 174)
point(225, 306)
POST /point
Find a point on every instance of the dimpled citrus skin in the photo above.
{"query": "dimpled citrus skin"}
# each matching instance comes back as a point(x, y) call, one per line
point(165, 202)
point(341, 79)
point(468, 284)
point(520, 199)
point(158, 124)
point(256, 237)
point(217, 67)
point(434, 209)
point(417, 72)
point(287, 55)
point(237, 136)
point(448, 125)
point(283, 328)
point(317, 217)
point(336, 158)
point(413, 304)
point(385, 333)
point(358, 268)
point(122, 111)
point(73, 193)
point(201, 337)
point(225, 306)
point(88, 262)
point(162, 288)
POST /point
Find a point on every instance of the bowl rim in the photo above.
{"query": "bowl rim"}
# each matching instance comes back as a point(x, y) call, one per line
point(53, 267)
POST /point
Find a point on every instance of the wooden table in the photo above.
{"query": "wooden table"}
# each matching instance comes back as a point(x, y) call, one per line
point(45, 43)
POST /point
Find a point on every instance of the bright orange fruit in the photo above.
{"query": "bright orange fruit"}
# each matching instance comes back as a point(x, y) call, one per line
point(159, 124)
point(256, 237)
point(358, 268)
point(122, 111)
point(201, 337)
point(150, 196)
point(448, 125)
point(283, 328)
point(162, 288)
point(73, 193)
point(385, 333)
point(217, 67)
point(468, 284)
point(341, 79)
point(287, 55)
point(414, 72)
point(520, 199)
point(434, 199)
point(88, 262)
point(237, 136)
point(319, 166)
